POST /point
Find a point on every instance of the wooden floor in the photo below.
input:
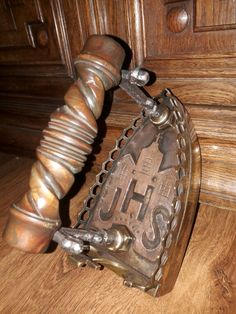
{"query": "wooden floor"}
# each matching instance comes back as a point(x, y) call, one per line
point(49, 283)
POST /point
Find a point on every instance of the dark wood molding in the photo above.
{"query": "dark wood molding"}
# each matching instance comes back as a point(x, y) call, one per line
point(62, 36)
point(207, 19)
point(54, 60)
point(198, 64)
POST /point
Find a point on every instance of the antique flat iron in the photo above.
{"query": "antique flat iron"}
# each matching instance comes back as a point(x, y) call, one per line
point(138, 216)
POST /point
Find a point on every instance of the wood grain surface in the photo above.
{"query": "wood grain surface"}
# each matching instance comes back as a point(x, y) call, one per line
point(49, 283)
point(188, 46)
point(198, 63)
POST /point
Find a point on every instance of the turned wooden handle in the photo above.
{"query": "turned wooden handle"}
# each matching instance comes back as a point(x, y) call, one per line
point(65, 145)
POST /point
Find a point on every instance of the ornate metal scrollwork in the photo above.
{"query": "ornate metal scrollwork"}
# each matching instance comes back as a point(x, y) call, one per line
point(151, 187)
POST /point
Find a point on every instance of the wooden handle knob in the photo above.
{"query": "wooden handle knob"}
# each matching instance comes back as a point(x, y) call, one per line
point(64, 147)
point(177, 19)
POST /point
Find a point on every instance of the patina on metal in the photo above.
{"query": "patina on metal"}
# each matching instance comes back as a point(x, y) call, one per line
point(138, 216)
point(65, 145)
point(145, 198)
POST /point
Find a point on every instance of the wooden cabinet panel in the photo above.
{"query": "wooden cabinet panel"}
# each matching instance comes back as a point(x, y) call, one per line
point(215, 14)
point(199, 65)
point(15, 20)
point(120, 18)
point(188, 45)
point(194, 38)
point(36, 67)
point(34, 42)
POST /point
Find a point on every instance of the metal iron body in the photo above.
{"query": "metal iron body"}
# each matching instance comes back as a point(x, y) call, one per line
point(139, 214)
point(148, 193)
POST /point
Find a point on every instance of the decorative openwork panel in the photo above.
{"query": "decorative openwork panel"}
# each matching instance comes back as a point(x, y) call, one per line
point(144, 187)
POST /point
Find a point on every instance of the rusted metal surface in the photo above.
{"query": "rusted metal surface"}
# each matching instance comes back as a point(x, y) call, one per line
point(66, 143)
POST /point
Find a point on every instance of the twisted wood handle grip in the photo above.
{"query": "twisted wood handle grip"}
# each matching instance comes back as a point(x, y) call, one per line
point(65, 145)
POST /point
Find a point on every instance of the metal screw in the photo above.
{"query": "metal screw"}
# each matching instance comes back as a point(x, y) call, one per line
point(139, 77)
point(66, 244)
